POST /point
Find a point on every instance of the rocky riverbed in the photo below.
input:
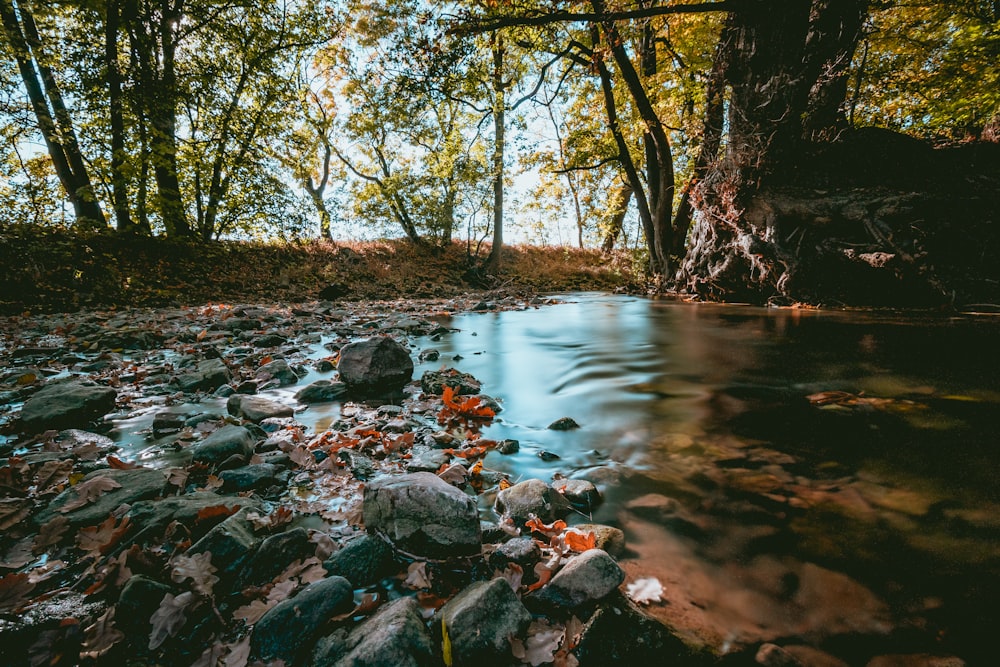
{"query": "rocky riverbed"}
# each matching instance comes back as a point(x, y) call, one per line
point(165, 502)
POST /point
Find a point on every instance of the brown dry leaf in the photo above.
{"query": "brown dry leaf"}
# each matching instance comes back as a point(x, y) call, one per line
point(119, 464)
point(212, 483)
point(177, 477)
point(51, 533)
point(302, 457)
point(210, 656)
point(13, 511)
point(89, 491)
point(14, 589)
point(315, 572)
point(239, 654)
point(369, 603)
point(512, 574)
point(325, 546)
point(215, 511)
point(169, 618)
point(52, 476)
point(253, 612)
point(281, 590)
point(43, 572)
point(18, 555)
point(198, 568)
point(416, 577)
point(103, 537)
point(542, 642)
point(101, 636)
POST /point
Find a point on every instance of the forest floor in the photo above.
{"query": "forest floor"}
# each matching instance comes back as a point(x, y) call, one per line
point(52, 270)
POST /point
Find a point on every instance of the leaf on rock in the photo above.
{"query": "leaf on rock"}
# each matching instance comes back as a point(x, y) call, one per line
point(103, 537)
point(177, 477)
point(645, 590)
point(281, 591)
point(512, 574)
point(239, 654)
point(52, 476)
point(18, 555)
point(14, 589)
point(215, 511)
point(119, 464)
point(169, 618)
point(89, 491)
point(13, 511)
point(578, 541)
point(542, 643)
point(198, 568)
point(51, 533)
point(253, 612)
point(554, 528)
point(101, 636)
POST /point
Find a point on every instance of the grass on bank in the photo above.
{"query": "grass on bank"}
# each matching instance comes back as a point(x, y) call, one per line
point(59, 270)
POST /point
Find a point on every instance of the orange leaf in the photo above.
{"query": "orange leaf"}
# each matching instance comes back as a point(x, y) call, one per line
point(504, 483)
point(580, 542)
point(555, 527)
point(214, 511)
point(117, 463)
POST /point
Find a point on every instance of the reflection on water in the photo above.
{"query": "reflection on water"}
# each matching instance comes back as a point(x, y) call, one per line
point(770, 516)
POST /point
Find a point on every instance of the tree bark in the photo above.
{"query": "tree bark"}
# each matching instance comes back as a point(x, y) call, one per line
point(119, 177)
point(619, 207)
point(499, 127)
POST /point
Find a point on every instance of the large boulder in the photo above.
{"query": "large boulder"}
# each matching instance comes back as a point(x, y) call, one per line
point(424, 515)
point(287, 627)
point(69, 404)
point(480, 621)
point(375, 366)
point(395, 636)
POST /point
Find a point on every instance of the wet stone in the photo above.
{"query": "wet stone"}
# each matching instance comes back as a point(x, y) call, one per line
point(207, 375)
point(139, 599)
point(288, 627)
point(321, 391)
point(278, 370)
point(167, 422)
point(608, 538)
point(256, 408)
point(480, 620)
point(522, 551)
point(375, 366)
point(529, 498)
point(231, 544)
point(66, 404)
point(396, 635)
point(589, 577)
point(227, 441)
point(363, 561)
point(134, 485)
point(581, 493)
point(509, 446)
point(563, 424)
point(434, 382)
point(246, 478)
point(275, 554)
point(427, 460)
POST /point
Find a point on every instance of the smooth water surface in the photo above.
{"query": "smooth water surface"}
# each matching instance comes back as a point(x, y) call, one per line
point(863, 522)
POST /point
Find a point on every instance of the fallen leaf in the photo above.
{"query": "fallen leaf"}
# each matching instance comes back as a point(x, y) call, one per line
point(118, 464)
point(239, 654)
point(253, 612)
point(89, 491)
point(169, 617)
point(14, 589)
point(101, 636)
point(103, 537)
point(51, 533)
point(210, 656)
point(198, 568)
point(18, 555)
point(513, 574)
point(579, 541)
point(553, 528)
point(645, 590)
point(542, 642)
point(52, 476)
point(216, 511)
point(416, 576)
point(13, 511)
point(177, 477)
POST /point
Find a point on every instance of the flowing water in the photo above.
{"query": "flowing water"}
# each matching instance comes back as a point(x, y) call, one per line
point(862, 521)
point(769, 507)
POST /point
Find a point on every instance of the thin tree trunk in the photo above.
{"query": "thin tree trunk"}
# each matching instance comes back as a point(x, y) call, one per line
point(499, 122)
point(619, 207)
point(57, 127)
point(119, 179)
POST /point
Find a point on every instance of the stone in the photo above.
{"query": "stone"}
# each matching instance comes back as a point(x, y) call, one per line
point(66, 404)
point(288, 627)
point(153, 516)
point(363, 561)
point(423, 515)
point(916, 660)
point(434, 382)
point(278, 370)
point(231, 544)
point(269, 340)
point(139, 599)
point(608, 538)
point(532, 497)
point(256, 408)
point(522, 551)
point(321, 391)
point(563, 424)
point(248, 478)
point(772, 655)
point(581, 493)
point(509, 446)
point(207, 375)
point(620, 634)
point(375, 366)
point(222, 444)
point(480, 621)
point(587, 578)
point(275, 554)
point(395, 635)
point(167, 422)
point(427, 460)
point(136, 484)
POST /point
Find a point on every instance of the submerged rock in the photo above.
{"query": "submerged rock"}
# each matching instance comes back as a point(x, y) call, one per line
point(321, 391)
point(256, 408)
point(423, 515)
point(66, 404)
point(228, 441)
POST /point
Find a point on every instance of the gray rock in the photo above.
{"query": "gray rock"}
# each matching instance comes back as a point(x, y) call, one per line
point(248, 478)
point(532, 497)
point(275, 554)
point(396, 636)
point(269, 340)
point(563, 424)
point(167, 422)
point(256, 408)
point(580, 493)
point(227, 441)
point(139, 599)
point(375, 366)
point(423, 515)
point(278, 370)
point(67, 404)
point(620, 634)
point(321, 391)
point(434, 382)
point(136, 484)
point(362, 561)
point(207, 375)
point(608, 538)
point(522, 551)
point(480, 621)
point(586, 578)
point(427, 460)
point(153, 516)
point(289, 626)
point(231, 544)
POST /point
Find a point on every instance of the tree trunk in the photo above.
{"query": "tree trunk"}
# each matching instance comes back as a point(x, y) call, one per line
point(119, 177)
point(55, 124)
point(619, 207)
point(499, 121)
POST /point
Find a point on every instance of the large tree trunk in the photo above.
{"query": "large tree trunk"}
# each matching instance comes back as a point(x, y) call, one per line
point(51, 113)
point(499, 124)
point(619, 207)
point(784, 62)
